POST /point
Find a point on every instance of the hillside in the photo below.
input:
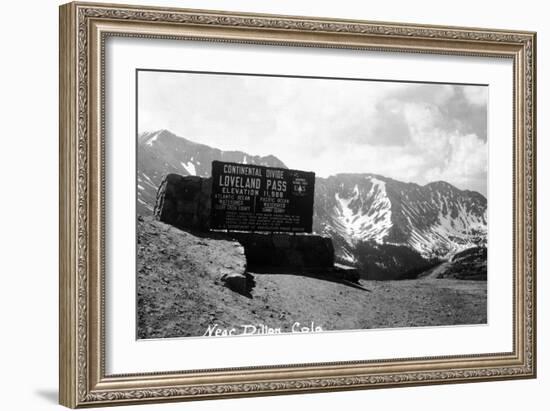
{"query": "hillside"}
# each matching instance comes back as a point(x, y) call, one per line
point(470, 264)
point(436, 220)
point(393, 229)
point(180, 292)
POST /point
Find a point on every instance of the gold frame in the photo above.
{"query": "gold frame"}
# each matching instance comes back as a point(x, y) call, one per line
point(83, 30)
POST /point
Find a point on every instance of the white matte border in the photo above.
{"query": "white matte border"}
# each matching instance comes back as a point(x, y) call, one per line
point(124, 354)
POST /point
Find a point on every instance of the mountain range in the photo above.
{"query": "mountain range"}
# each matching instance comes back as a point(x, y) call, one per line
point(388, 228)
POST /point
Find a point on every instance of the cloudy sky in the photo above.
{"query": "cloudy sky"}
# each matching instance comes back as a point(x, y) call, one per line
point(411, 132)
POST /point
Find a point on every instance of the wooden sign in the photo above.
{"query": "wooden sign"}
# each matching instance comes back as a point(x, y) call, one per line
point(256, 198)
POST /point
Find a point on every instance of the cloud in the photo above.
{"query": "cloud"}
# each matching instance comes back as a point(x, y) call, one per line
point(465, 163)
point(466, 111)
point(386, 126)
point(460, 108)
point(475, 95)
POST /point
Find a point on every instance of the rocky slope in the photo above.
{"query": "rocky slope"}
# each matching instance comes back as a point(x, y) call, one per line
point(437, 219)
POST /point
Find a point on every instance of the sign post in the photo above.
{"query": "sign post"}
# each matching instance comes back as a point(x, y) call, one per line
point(248, 197)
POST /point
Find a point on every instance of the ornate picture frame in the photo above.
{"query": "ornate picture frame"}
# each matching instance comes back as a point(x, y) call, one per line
point(84, 30)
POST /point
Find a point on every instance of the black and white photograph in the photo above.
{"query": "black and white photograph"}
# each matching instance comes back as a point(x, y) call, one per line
point(270, 204)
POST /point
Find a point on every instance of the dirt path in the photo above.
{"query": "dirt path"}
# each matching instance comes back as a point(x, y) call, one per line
point(180, 293)
point(436, 271)
point(337, 306)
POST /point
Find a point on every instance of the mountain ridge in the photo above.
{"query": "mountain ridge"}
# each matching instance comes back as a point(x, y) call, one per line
point(365, 214)
point(412, 183)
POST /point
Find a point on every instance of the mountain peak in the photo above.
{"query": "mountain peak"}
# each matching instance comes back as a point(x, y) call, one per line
point(162, 152)
point(442, 185)
point(149, 138)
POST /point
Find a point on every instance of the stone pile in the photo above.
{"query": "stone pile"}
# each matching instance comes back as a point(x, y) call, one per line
point(184, 202)
point(287, 250)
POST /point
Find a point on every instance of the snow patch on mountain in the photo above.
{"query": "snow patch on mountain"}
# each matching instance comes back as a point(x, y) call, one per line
point(152, 137)
point(455, 227)
point(189, 168)
point(348, 256)
point(357, 221)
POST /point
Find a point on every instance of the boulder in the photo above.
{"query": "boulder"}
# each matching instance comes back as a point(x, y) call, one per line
point(346, 272)
point(236, 282)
